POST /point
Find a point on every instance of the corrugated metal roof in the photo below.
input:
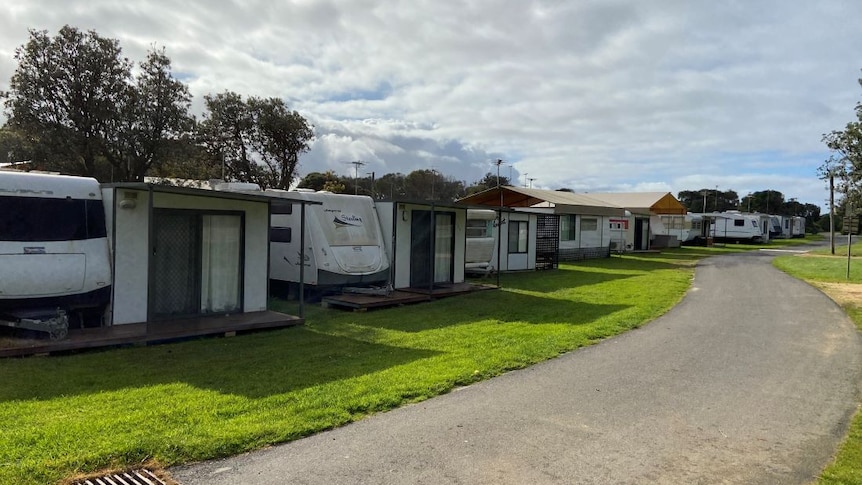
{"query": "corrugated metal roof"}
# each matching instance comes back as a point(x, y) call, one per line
point(643, 202)
point(561, 202)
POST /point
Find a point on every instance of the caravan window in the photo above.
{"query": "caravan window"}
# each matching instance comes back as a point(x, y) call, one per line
point(739, 223)
point(47, 219)
point(280, 234)
point(479, 228)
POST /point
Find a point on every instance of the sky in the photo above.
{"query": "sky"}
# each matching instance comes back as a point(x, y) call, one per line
point(594, 96)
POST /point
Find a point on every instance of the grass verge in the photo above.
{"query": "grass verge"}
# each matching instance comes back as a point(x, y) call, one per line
point(201, 399)
point(829, 273)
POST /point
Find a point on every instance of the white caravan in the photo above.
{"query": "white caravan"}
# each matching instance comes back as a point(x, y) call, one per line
point(54, 253)
point(797, 226)
point(481, 241)
point(736, 226)
point(344, 243)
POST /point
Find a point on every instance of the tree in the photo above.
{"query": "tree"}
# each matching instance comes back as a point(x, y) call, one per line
point(489, 181)
point(63, 94)
point(715, 200)
point(74, 107)
point(260, 139)
point(433, 186)
point(328, 181)
point(845, 164)
point(279, 137)
point(154, 125)
point(392, 186)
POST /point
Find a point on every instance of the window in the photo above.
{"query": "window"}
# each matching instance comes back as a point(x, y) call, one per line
point(740, 223)
point(590, 224)
point(479, 228)
point(567, 228)
point(518, 232)
point(47, 219)
point(673, 222)
point(281, 207)
point(279, 234)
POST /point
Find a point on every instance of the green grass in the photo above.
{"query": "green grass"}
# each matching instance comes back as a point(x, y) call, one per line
point(825, 268)
point(210, 398)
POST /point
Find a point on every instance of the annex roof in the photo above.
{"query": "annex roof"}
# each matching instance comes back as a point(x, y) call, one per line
point(560, 202)
point(643, 202)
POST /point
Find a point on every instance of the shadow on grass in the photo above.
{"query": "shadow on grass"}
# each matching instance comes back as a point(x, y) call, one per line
point(256, 365)
point(500, 305)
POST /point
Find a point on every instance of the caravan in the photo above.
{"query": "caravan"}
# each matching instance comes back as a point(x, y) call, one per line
point(736, 226)
point(481, 241)
point(54, 254)
point(344, 243)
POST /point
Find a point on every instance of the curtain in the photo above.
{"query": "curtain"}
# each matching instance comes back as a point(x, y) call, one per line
point(443, 236)
point(220, 263)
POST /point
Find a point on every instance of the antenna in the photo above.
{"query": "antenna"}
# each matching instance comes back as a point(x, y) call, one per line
point(525, 179)
point(531, 181)
point(356, 165)
point(498, 162)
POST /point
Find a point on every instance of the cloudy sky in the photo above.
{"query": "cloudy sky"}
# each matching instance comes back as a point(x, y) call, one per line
point(596, 96)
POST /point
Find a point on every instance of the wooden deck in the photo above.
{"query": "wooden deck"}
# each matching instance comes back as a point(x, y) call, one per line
point(361, 302)
point(143, 333)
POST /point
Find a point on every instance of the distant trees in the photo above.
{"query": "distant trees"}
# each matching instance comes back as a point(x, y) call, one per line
point(709, 200)
point(74, 106)
point(489, 181)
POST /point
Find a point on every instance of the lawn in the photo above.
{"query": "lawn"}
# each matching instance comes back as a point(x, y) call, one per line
point(829, 273)
point(208, 398)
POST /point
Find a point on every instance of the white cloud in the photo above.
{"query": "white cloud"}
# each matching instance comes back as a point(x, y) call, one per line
point(593, 95)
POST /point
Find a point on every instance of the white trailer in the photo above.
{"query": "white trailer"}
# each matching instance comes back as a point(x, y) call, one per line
point(797, 224)
point(481, 241)
point(54, 255)
point(736, 226)
point(344, 242)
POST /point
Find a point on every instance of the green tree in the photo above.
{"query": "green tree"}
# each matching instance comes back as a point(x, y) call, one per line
point(260, 139)
point(63, 95)
point(154, 125)
point(489, 181)
point(328, 181)
point(431, 185)
point(715, 200)
point(845, 163)
point(74, 107)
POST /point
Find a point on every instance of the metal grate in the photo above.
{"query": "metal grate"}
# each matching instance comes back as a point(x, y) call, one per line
point(547, 242)
point(134, 477)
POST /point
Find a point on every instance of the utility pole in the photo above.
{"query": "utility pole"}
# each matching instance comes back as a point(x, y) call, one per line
point(832, 212)
point(356, 165)
point(716, 198)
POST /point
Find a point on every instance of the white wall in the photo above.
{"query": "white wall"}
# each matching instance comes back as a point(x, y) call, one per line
point(131, 262)
point(401, 226)
point(131, 257)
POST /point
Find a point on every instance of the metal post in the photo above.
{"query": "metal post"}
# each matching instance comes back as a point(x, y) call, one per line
point(302, 260)
point(832, 212)
point(849, 236)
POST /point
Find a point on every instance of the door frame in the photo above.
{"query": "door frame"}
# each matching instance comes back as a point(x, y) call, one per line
point(198, 214)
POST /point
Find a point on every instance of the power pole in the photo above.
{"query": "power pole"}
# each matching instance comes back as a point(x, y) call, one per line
point(832, 212)
point(356, 165)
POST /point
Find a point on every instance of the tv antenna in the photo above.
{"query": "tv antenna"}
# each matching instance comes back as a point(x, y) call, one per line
point(356, 165)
